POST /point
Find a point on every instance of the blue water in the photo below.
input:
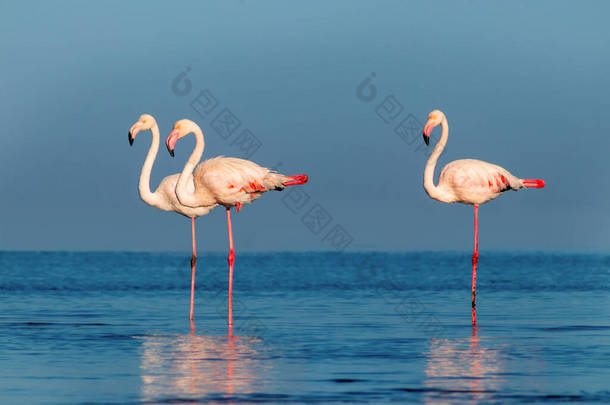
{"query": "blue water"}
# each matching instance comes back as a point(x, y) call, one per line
point(112, 328)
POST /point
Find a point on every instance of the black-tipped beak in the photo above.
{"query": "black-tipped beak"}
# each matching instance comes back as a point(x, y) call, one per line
point(426, 139)
point(171, 140)
point(130, 138)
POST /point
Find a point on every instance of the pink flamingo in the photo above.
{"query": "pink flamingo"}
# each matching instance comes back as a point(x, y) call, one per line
point(467, 181)
point(225, 181)
point(164, 197)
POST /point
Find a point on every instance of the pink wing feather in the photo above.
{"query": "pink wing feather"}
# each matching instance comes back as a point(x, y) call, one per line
point(233, 180)
point(475, 181)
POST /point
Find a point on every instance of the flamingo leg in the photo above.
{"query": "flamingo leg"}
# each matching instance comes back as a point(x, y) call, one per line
point(475, 260)
point(230, 259)
point(193, 268)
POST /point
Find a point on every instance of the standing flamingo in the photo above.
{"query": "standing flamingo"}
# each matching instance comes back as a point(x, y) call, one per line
point(225, 181)
point(164, 196)
point(467, 181)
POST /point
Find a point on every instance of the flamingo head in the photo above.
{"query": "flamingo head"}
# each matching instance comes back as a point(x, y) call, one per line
point(145, 122)
point(181, 128)
point(434, 118)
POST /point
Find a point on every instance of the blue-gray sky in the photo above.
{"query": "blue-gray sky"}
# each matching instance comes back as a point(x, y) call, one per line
point(523, 84)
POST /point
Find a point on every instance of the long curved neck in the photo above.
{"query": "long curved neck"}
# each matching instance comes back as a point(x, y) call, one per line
point(146, 195)
point(432, 190)
point(184, 196)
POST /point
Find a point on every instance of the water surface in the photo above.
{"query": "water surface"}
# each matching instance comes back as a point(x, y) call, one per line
point(106, 328)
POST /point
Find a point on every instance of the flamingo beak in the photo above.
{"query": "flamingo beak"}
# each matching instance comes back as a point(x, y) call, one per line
point(133, 131)
point(426, 133)
point(171, 140)
point(428, 130)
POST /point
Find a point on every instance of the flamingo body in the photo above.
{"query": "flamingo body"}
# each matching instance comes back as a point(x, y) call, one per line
point(233, 181)
point(167, 187)
point(170, 202)
point(471, 181)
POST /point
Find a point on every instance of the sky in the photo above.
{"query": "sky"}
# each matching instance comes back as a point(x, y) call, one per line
point(319, 88)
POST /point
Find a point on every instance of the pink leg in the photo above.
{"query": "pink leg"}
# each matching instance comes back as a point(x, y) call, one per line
point(230, 259)
point(475, 260)
point(193, 266)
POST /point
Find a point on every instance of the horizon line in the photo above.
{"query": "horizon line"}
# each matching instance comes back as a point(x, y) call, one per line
point(526, 251)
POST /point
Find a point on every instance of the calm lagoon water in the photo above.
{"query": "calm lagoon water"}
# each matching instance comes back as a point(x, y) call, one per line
point(112, 328)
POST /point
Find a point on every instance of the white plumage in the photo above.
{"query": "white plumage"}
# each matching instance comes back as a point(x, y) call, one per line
point(164, 197)
point(467, 181)
point(236, 181)
point(474, 181)
point(226, 181)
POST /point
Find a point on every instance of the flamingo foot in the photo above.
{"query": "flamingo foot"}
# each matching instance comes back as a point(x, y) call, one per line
point(533, 183)
point(297, 179)
point(237, 207)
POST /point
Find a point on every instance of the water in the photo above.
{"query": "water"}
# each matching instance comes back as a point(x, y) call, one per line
point(110, 328)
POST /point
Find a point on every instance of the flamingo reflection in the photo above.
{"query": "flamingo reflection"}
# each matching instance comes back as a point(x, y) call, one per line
point(462, 366)
point(196, 366)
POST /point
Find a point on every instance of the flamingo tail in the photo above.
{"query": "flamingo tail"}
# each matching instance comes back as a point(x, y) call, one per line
point(533, 183)
point(296, 180)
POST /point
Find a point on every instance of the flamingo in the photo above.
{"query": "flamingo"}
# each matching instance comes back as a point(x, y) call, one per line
point(164, 197)
point(225, 181)
point(467, 181)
